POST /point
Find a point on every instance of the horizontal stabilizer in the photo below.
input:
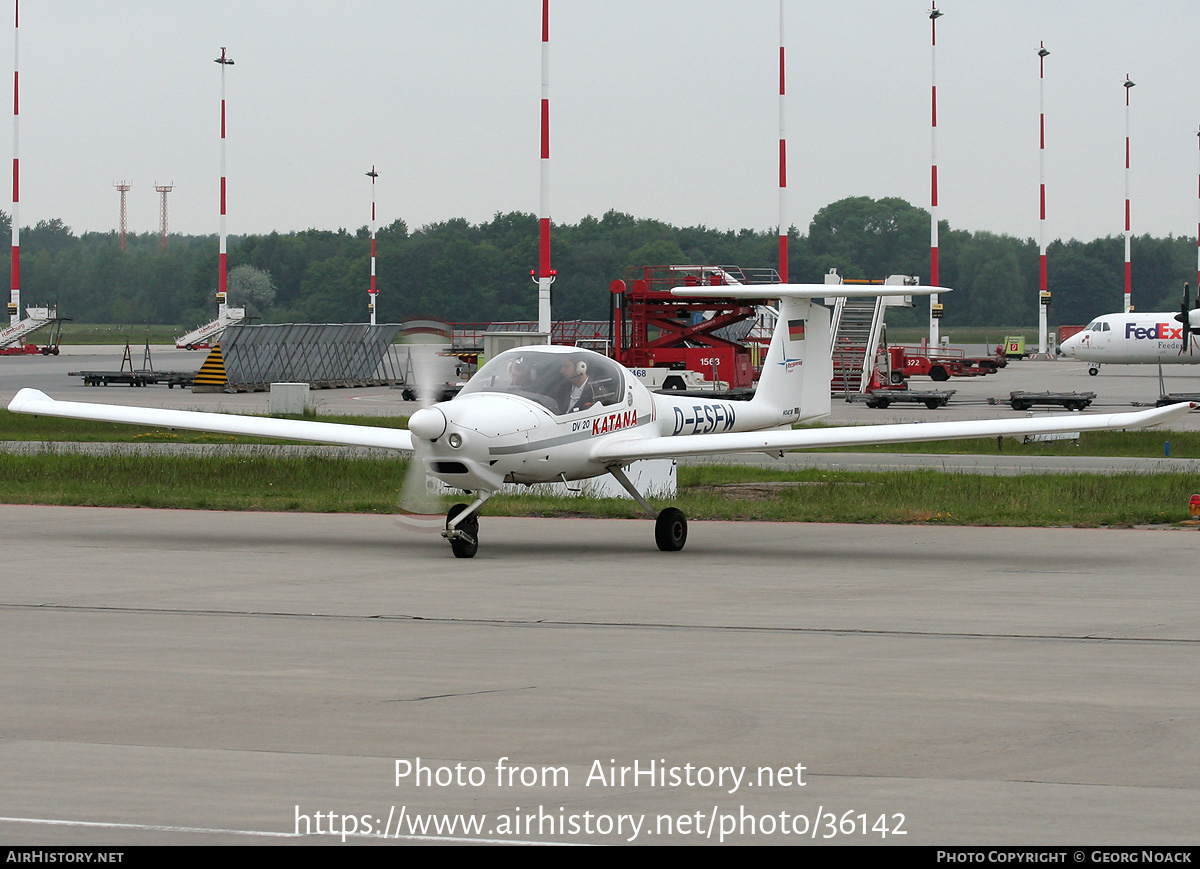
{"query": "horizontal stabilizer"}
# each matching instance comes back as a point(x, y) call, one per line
point(33, 401)
point(805, 291)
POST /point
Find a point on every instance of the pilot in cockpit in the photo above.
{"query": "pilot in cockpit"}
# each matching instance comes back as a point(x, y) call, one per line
point(576, 391)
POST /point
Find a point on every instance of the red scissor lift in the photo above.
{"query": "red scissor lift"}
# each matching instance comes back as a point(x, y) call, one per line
point(654, 329)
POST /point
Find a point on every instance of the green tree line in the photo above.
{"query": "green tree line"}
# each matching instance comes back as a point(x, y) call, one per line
point(458, 271)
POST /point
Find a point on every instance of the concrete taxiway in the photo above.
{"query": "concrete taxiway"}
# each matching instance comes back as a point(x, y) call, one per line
point(182, 677)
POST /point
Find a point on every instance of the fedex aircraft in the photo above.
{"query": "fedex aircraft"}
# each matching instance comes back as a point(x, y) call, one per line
point(1134, 338)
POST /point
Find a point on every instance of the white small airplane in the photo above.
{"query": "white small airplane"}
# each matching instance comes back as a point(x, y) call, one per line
point(1138, 338)
point(548, 413)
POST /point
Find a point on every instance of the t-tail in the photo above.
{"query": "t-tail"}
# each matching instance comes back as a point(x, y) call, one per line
point(796, 376)
point(794, 384)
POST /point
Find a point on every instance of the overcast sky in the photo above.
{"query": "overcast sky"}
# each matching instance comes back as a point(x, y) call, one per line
point(659, 108)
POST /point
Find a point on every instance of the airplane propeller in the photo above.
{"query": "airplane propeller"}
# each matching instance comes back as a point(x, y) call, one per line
point(418, 507)
point(1185, 317)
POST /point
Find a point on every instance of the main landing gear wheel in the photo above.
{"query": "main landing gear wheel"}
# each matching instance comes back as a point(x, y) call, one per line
point(467, 545)
point(1093, 371)
point(670, 530)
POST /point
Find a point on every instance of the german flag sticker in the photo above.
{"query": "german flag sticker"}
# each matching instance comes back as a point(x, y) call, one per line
point(795, 330)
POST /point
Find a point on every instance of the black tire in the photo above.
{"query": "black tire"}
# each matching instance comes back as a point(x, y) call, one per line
point(670, 530)
point(408, 395)
point(897, 377)
point(938, 373)
point(1021, 405)
point(1093, 371)
point(932, 403)
point(463, 548)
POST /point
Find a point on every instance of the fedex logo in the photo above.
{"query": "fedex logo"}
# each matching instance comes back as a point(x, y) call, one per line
point(1157, 332)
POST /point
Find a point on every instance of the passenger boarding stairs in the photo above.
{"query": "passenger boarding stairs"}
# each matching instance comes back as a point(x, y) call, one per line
point(857, 324)
point(205, 336)
point(35, 318)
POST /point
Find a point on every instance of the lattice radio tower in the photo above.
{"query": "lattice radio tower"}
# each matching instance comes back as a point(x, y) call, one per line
point(163, 190)
point(123, 186)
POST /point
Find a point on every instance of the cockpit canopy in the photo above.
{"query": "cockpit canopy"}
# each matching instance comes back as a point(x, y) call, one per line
point(552, 376)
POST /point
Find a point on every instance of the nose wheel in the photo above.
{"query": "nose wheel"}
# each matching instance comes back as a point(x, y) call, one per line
point(464, 536)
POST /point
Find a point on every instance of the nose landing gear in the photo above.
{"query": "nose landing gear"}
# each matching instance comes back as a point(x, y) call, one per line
point(462, 527)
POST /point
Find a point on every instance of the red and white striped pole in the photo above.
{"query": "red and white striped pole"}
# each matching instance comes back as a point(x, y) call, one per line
point(373, 292)
point(934, 306)
point(1128, 234)
point(545, 275)
point(1043, 293)
point(14, 296)
point(221, 258)
point(783, 221)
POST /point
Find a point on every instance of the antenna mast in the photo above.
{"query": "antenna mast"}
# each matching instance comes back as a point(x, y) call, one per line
point(163, 190)
point(783, 222)
point(373, 292)
point(124, 187)
point(1128, 267)
point(225, 61)
point(545, 274)
point(14, 296)
point(1043, 293)
point(935, 308)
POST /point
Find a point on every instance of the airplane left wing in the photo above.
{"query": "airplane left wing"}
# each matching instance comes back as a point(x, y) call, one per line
point(35, 402)
point(631, 449)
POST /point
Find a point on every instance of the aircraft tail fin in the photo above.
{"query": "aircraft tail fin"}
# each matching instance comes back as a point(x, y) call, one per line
point(798, 369)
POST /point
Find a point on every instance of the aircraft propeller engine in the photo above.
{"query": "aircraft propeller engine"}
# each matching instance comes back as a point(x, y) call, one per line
point(419, 508)
point(1185, 316)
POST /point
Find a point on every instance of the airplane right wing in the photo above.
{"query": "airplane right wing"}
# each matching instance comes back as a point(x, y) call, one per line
point(35, 402)
point(626, 449)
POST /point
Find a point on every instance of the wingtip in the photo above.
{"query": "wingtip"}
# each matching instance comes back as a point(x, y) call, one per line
point(23, 398)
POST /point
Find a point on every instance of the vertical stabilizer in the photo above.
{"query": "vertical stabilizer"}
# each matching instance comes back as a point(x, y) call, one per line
point(795, 377)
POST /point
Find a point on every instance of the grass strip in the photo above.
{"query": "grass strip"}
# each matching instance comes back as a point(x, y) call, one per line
point(308, 484)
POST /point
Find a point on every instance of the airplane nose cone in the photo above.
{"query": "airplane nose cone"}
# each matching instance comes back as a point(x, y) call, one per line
point(428, 423)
